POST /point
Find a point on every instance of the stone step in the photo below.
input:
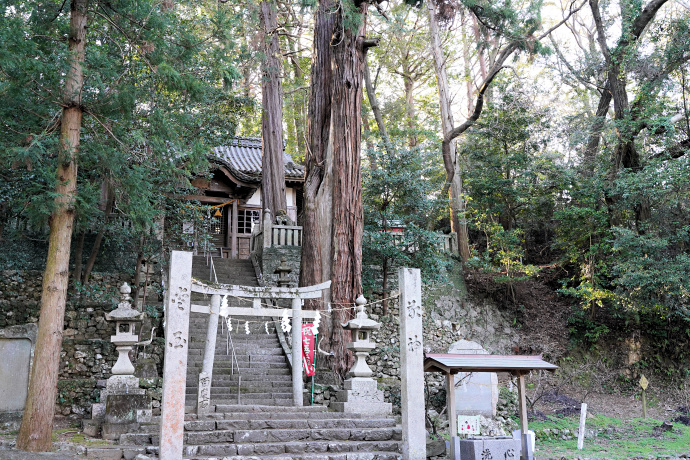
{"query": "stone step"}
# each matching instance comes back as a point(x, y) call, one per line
point(272, 436)
point(248, 394)
point(268, 410)
point(251, 387)
point(229, 379)
point(246, 341)
point(254, 421)
point(285, 414)
point(244, 351)
point(252, 358)
point(191, 399)
point(316, 450)
point(243, 371)
point(242, 365)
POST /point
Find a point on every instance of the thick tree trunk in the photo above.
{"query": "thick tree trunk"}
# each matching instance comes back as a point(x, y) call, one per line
point(451, 159)
point(315, 266)
point(349, 54)
point(35, 433)
point(273, 166)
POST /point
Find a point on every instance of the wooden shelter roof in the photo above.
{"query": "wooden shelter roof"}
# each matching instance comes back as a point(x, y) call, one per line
point(452, 363)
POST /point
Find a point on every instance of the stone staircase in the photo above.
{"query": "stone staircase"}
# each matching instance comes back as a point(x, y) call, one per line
point(263, 377)
point(268, 432)
point(251, 413)
point(228, 271)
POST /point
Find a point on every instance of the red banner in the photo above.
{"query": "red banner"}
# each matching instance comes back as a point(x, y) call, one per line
point(308, 349)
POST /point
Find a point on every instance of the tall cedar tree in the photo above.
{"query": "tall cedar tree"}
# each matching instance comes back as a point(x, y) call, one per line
point(145, 131)
point(35, 433)
point(332, 247)
point(273, 170)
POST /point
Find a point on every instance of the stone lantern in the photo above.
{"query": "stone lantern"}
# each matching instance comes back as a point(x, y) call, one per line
point(123, 404)
point(126, 319)
point(361, 328)
point(361, 394)
point(283, 270)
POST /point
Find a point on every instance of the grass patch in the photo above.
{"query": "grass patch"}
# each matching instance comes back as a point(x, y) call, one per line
point(619, 439)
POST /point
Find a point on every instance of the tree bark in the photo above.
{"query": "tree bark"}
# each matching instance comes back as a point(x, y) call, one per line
point(315, 265)
point(348, 85)
point(35, 433)
point(273, 165)
point(376, 109)
point(451, 159)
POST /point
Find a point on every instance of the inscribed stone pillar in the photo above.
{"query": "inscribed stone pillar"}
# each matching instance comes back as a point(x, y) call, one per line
point(412, 364)
point(177, 306)
point(297, 384)
point(206, 375)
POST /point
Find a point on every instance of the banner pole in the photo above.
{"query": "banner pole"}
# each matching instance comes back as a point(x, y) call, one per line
point(316, 340)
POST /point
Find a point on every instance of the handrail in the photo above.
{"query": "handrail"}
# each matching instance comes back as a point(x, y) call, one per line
point(212, 272)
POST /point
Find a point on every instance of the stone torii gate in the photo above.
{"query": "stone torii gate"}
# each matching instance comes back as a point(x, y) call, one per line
point(177, 309)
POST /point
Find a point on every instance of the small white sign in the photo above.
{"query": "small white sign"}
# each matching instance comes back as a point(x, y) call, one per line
point(468, 424)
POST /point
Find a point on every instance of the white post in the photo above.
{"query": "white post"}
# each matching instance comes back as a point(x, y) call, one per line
point(206, 374)
point(177, 306)
point(581, 432)
point(297, 384)
point(412, 360)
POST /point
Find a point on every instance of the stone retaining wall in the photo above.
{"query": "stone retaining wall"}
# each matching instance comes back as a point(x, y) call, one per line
point(87, 354)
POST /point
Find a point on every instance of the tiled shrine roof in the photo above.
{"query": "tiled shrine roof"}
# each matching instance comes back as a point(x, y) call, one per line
point(243, 157)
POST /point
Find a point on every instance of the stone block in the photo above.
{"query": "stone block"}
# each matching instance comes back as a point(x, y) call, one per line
point(91, 427)
point(131, 453)
point(113, 431)
point(482, 448)
point(16, 349)
point(103, 453)
point(98, 411)
point(435, 448)
point(364, 408)
point(360, 384)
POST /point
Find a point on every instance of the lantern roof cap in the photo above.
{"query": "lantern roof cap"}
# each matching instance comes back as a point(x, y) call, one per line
point(362, 320)
point(124, 310)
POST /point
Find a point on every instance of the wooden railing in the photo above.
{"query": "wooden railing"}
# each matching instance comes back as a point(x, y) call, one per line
point(270, 235)
point(286, 235)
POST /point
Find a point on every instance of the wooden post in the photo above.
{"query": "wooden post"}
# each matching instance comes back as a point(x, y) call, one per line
point(522, 403)
point(581, 432)
point(644, 383)
point(228, 228)
point(452, 417)
point(297, 384)
point(233, 244)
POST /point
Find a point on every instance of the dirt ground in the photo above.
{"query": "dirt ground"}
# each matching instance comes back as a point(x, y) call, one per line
point(624, 407)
